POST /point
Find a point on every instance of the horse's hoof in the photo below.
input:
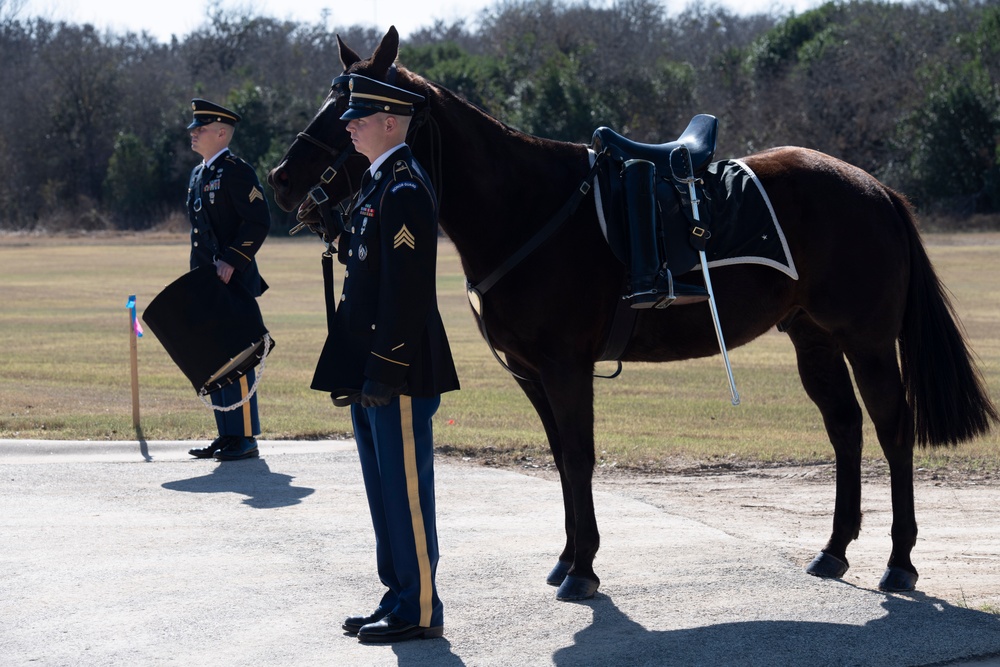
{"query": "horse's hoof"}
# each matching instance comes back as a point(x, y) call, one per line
point(896, 580)
point(827, 566)
point(558, 573)
point(577, 588)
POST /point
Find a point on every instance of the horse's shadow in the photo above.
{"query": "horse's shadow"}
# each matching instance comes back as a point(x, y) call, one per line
point(264, 489)
point(916, 629)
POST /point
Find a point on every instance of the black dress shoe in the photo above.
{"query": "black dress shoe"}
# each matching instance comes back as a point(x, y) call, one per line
point(209, 452)
point(394, 629)
point(354, 623)
point(238, 448)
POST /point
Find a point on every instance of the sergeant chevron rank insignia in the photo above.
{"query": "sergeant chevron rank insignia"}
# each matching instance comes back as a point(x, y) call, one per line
point(256, 194)
point(403, 237)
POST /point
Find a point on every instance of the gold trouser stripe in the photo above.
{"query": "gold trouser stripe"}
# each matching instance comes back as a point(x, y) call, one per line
point(416, 516)
point(244, 390)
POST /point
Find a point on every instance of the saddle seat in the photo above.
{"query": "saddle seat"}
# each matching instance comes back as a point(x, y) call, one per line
point(699, 137)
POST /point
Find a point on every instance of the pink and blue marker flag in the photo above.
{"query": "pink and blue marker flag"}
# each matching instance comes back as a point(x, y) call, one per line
point(136, 325)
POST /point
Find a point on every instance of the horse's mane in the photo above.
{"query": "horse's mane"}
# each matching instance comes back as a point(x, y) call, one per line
point(488, 129)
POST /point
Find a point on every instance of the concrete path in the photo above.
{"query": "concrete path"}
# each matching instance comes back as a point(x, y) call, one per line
point(133, 553)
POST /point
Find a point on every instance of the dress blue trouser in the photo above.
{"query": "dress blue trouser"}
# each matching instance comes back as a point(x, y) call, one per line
point(243, 421)
point(396, 448)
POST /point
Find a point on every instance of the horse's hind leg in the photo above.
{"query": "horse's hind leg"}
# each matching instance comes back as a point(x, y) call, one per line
point(827, 382)
point(878, 379)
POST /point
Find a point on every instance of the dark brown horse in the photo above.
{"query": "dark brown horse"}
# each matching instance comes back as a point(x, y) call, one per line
point(867, 296)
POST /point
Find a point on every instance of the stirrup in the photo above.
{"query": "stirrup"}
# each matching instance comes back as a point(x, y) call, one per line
point(685, 293)
point(650, 299)
point(665, 292)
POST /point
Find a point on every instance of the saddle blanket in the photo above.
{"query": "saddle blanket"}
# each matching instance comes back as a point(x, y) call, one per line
point(744, 228)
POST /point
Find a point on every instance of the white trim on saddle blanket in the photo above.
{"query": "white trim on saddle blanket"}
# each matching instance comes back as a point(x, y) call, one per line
point(788, 268)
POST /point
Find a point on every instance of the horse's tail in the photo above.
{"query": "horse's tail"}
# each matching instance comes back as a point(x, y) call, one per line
point(944, 388)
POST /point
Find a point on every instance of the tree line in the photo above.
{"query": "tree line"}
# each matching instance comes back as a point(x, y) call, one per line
point(93, 123)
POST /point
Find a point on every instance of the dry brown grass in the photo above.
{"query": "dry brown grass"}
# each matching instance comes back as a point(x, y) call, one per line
point(65, 365)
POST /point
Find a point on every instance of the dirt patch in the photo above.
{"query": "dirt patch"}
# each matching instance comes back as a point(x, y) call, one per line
point(790, 507)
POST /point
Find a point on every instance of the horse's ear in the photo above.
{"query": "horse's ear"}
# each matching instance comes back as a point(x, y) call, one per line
point(385, 54)
point(347, 56)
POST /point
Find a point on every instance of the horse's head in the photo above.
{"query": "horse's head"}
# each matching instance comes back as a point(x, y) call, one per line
point(324, 150)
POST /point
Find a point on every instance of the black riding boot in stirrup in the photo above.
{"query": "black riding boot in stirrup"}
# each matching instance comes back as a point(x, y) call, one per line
point(651, 284)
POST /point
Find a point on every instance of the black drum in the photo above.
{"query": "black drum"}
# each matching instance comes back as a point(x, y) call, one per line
point(212, 330)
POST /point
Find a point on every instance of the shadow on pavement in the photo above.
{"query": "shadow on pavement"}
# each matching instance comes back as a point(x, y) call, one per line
point(252, 478)
point(615, 639)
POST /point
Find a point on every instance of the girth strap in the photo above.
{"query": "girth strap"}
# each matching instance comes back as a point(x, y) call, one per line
point(622, 326)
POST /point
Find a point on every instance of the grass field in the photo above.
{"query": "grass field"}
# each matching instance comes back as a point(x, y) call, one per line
point(65, 373)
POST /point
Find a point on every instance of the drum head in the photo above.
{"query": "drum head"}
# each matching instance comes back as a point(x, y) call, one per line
point(213, 331)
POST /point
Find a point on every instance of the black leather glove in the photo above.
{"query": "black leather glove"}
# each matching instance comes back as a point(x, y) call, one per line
point(319, 229)
point(375, 394)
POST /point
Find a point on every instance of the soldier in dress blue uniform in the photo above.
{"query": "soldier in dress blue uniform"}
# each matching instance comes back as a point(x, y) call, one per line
point(229, 222)
point(387, 356)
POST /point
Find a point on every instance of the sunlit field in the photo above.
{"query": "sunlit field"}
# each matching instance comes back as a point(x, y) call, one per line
point(65, 365)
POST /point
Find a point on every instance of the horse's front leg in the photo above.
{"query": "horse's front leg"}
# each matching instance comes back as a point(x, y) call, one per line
point(563, 397)
point(569, 390)
point(536, 395)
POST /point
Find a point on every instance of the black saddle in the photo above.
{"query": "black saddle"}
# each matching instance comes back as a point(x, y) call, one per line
point(675, 206)
point(699, 137)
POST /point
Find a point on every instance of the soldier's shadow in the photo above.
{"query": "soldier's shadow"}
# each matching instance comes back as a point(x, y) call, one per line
point(252, 478)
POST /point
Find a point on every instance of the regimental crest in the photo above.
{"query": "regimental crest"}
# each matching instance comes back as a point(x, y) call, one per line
point(401, 171)
point(404, 237)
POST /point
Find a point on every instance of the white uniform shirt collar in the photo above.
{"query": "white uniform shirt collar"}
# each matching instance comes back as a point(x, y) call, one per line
point(382, 158)
point(208, 163)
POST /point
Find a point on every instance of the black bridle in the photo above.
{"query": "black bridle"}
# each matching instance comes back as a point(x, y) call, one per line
point(316, 194)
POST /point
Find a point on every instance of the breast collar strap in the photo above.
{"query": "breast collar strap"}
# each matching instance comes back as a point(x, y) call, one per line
point(477, 291)
point(542, 234)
